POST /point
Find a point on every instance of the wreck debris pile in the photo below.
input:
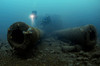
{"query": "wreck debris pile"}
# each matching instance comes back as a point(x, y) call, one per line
point(23, 38)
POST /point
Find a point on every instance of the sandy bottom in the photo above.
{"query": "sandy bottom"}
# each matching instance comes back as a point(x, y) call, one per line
point(49, 53)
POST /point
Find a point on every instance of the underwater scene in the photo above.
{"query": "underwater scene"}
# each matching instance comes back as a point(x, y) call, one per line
point(49, 33)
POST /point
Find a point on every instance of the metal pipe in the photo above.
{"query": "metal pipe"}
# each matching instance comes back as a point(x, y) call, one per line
point(85, 36)
point(22, 37)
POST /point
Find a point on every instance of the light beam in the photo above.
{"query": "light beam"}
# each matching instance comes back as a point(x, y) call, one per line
point(32, 17)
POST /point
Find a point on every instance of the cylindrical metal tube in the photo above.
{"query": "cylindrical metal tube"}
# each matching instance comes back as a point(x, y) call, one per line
point(85, 36)
point(22, 37)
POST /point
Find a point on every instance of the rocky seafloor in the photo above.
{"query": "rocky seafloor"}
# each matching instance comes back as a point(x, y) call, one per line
point(50, 52)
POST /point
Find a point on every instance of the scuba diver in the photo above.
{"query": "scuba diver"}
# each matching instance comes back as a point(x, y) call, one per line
point(45, 21)
point(34, 13)
point(47, 25)
point(33, 17)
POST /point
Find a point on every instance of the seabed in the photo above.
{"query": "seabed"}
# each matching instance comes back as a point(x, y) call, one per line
point(50, 53)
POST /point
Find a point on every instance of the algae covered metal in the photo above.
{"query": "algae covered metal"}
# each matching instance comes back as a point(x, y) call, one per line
point(85, 36)
point(22, 37)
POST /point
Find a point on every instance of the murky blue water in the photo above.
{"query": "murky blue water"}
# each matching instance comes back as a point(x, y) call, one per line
point(64, 13)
